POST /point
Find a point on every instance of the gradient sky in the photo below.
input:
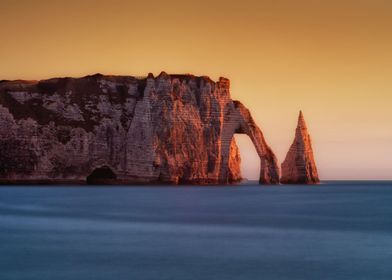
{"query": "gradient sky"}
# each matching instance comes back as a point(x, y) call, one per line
point(332, 59)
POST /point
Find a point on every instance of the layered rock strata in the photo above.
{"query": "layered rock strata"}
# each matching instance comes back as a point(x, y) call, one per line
point(122, 129)
point(299, 166)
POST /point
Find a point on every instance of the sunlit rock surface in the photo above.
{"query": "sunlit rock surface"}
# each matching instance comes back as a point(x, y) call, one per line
point(299, 166)
point(169, 129)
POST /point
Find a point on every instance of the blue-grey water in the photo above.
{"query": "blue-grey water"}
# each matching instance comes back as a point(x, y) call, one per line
point(337, 230)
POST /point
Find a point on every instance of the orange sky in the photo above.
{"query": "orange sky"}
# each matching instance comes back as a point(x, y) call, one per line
point(331, 58)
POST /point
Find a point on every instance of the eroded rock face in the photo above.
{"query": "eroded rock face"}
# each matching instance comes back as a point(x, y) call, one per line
point(168, 129)
point(299, 166)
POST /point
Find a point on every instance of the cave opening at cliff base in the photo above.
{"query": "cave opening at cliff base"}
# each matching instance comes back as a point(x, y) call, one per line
point(101, 175)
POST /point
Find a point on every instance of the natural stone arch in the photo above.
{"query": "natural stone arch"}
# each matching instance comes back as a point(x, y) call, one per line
point(238, 120)
point(101, 175)
point(249, 161)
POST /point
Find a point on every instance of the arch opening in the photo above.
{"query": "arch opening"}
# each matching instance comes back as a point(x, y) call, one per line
point(250, 160)
point(101, 175)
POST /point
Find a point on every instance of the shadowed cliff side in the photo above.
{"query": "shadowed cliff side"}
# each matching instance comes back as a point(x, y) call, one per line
point(169, 129)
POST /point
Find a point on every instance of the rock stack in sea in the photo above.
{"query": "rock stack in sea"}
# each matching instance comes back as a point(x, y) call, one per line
point(299, 166)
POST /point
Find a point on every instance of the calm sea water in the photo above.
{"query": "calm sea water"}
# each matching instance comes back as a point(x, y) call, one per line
point(337, 230)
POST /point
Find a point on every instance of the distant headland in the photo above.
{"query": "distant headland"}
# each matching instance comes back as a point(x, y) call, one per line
point(169, 129)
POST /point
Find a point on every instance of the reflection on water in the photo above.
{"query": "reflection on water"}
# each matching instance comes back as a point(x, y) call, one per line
point(338, 230)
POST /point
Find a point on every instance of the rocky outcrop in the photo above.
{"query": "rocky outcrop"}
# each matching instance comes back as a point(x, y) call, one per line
point(169, 129)
point(299, 166)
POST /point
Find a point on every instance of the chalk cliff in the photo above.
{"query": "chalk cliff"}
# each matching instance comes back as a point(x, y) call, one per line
point(299, 166)
point(122, 129)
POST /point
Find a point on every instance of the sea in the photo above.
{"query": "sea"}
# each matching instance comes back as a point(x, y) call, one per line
point(335, 230)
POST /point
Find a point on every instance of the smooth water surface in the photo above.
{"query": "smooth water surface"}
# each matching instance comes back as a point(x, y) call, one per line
point(337, 230)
